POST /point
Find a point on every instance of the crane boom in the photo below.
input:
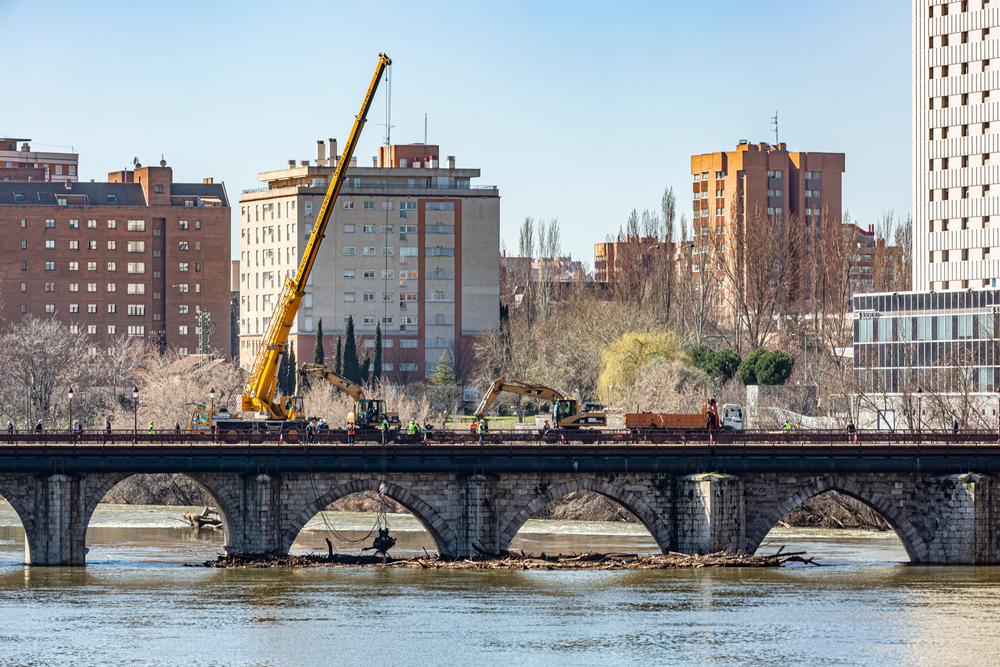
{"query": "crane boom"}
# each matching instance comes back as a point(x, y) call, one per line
point(259, 391)
point(346, 385)
point(501, 385)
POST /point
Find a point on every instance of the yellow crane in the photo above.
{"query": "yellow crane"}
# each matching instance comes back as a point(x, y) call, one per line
point(566, 412)
point(259, 393)
point(368, 412)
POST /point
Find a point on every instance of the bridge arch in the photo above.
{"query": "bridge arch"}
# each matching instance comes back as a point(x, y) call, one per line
point(632, 501)
point(22, 508)
point(761, 519)
point(443, 535)
point(96, 487)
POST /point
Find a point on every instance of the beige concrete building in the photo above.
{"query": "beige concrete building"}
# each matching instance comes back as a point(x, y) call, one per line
point(956, 150)
point(19, 163)
point(412, 244)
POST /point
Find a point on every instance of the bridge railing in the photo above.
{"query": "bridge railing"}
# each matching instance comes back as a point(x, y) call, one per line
point(510, 438)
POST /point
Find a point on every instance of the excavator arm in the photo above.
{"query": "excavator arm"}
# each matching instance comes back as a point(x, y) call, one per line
point(346, 385)
point(500, 385)
point(259, 391)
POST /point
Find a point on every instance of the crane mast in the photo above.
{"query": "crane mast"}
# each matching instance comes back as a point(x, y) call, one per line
point(259, 391)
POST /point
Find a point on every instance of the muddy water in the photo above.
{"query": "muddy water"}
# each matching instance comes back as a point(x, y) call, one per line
point(137, 603)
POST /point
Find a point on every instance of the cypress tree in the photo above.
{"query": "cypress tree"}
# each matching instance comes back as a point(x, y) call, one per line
point(282, 373)
point(339, 362)
point(365, 366)
point(290, 378)
point(352, 370)
point(319, 356)
point(377, 364)
point(443, 374)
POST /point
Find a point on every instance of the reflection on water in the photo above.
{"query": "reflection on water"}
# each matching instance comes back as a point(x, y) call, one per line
point(137, 604)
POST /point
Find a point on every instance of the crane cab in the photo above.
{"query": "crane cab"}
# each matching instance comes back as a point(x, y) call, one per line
point(566, 413)
point(369, 412)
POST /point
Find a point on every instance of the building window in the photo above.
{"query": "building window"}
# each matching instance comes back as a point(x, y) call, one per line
point(50, 223)
point(350, 251)
point(349, 274)
point(136, 330)
point(74, 308)
point(349, 205)
point(182, 224)
point(74, 266)
point(92, 308)
point(91, 266)
point(50, 244)
point(369, 274)
point(74, 287)
point(111, 287)
point(136, 309)
point(50, 266)
point(183, 309)
point(407, 252)
point(112, 224)
point(369, 204)
point(182, 267)
point(136, 225)
point(74, 224)
point(349, 297)
point(158, 188)
point(136, 246)
point(91, 287)
point(182, 330)
point(369, 252)
point(136, 267)
point(369, 297)
point(183, 288)
point(92, 328)
point(136, 288)
point(112, 266)
point(368, 229)
point(182, 246)
point(112, 308)
point(112, 329)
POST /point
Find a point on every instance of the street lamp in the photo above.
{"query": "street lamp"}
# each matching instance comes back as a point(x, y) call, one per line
point(211, 411)
point(135, 415)
point(920, 395)
point(70, 394)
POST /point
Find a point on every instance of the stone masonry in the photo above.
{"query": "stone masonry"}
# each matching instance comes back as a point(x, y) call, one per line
point(939, 519)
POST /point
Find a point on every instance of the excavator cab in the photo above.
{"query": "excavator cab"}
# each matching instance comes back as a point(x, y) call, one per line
point(294, 407)
point(566, 413)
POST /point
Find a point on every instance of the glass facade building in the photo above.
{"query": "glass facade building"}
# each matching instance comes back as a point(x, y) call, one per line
point(932, 341)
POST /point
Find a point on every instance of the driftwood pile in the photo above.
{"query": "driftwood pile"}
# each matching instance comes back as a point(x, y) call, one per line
point(511, 561)
point(209, 518)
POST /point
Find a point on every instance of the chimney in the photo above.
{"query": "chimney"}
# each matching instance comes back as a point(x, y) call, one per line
point(304, 163)
point(354, 162)
point(291, 164)
point(320, 153)
point(207, 181)
point(333, 150)
point(374, 161)
point(451, 161)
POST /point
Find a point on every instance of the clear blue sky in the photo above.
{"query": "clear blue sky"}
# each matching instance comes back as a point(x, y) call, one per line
point(576, 110)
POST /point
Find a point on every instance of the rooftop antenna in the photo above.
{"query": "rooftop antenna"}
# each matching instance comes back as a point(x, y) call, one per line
point(425, 128)
point(774, 124)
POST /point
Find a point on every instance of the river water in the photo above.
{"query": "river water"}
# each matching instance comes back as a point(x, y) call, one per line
point(139, 603)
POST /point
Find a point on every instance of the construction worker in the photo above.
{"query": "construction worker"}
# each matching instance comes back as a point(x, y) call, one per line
point(10, 427)
point(351, 431)
point(107, 425)
point(384, 427)
point(787, 426)
point(712, 415)
point(310, 429)
point(152, 428)
point(412, 428)
point(954, 426)
point(38, 426)
point(481, 429)
point(852, 431)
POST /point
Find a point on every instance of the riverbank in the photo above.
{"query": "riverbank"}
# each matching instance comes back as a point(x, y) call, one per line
point(588, 561)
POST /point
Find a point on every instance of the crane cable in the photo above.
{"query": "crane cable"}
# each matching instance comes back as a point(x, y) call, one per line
point(337, 534)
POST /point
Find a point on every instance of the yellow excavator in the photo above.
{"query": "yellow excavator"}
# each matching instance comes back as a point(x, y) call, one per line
point(566, 412)
point(368, 412)
point(263, 409)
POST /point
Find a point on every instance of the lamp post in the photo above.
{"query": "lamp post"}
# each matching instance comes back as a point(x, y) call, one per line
point(135, 415)
point(211, 411)
point(70, 394)
point(920, 414)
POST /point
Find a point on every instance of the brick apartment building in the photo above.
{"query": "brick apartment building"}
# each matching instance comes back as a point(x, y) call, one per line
point(20, 163)
point(610, 257)
point(138, 255)
point(411, 244)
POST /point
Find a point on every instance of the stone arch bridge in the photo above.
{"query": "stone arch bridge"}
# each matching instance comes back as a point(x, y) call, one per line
point(944, 502)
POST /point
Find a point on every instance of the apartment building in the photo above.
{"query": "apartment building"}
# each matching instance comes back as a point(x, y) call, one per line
point(138, 255)
point(412, 245)
point(956, 124)
point(613, 256)
point(19, 163)
point(746, 192)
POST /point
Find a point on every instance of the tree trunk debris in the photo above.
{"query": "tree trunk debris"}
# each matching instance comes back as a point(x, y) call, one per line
point(209, 518)
point(511, 561)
